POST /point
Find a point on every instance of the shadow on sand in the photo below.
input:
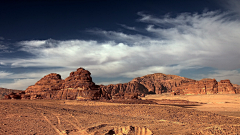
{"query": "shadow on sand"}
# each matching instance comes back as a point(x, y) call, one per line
point(183, 105)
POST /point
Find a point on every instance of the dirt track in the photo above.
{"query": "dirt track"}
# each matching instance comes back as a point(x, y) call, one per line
point(21, 117)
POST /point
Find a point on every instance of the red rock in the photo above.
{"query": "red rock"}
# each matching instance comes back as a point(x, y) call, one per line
point(226, 87)
point(204, 86)
point(46, 87)
point(237, 88)
point(78, 84)
point(5, 91)
point(160, 83)
point(154, 83)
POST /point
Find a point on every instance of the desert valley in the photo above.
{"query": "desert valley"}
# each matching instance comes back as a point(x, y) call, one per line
point(153, 104)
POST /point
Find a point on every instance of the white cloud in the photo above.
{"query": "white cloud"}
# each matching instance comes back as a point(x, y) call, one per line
point(33, 43)
point(231, 5)
point(4, 74)
point(232, 75)
point(110, 82)
point(19, 84)
point(210, 39)
point(1, 38)
point(128, 27)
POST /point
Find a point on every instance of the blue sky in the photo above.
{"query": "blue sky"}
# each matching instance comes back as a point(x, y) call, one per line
point(119, 40)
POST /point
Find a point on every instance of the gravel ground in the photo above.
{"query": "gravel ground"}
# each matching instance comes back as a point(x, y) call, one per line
point(40, 117)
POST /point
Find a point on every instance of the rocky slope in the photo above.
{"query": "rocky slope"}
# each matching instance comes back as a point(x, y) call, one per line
point(4, 91)
point(159, 83)
point(79, 85)
point(154, 83)
point(205, 86)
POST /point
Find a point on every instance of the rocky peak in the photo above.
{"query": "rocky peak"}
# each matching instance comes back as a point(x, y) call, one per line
point(226, 87)
point(80, 78)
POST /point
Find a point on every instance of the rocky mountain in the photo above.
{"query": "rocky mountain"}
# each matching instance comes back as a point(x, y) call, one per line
point(157, 83)
point(205, 86)
point(4, 91)
point(79, 85)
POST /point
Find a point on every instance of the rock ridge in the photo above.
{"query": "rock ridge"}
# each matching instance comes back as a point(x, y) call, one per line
point(79, 86)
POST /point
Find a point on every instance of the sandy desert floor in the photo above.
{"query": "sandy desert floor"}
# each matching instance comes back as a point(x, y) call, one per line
point(216, 114)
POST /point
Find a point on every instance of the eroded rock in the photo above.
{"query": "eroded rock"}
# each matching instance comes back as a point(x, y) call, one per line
point(129, 130)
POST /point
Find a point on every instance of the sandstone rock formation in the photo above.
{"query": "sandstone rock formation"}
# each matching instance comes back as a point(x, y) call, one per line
point(204, 86)
point(154, 84)
point(78, 85)
point(226, 87)
point(237, 88)
point(122, 91)
point(4, 92)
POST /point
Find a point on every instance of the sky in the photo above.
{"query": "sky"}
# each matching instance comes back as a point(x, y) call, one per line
point(118, 40)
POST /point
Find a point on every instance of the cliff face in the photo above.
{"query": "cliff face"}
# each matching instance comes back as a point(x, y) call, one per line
point(78, 85)
point(205, 86)
point(226, 87)
point(157, 83)
point(111, 90)
point(160, 83)
point(237, 88)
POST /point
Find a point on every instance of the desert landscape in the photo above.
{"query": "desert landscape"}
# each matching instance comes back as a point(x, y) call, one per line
point(119, 67)
point(201, 114)
point(154, 104)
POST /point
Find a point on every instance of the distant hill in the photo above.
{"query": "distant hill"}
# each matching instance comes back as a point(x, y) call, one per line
point(5, 91)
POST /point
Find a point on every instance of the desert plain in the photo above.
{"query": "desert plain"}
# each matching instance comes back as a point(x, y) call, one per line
point(154, 114)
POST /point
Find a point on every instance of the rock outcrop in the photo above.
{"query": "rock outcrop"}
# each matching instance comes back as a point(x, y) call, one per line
point(123, 90)
point(150, 84)
point(78, 85)
point(204, 86)
point(226, 87)
point(5, 91)
point(237, 88)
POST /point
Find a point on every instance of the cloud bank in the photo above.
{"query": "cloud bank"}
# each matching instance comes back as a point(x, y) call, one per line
point(169, 45)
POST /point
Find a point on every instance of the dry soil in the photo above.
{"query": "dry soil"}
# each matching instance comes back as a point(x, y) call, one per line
point(213, 114)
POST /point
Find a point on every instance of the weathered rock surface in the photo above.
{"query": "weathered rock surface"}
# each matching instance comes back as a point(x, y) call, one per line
point(237, 88)
point(46, 87)
point(79, 85)
point(204, 86)
point(161, 83)
point(129, 90)
point(226, 87)
point(4, 92)
point(154, 83)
